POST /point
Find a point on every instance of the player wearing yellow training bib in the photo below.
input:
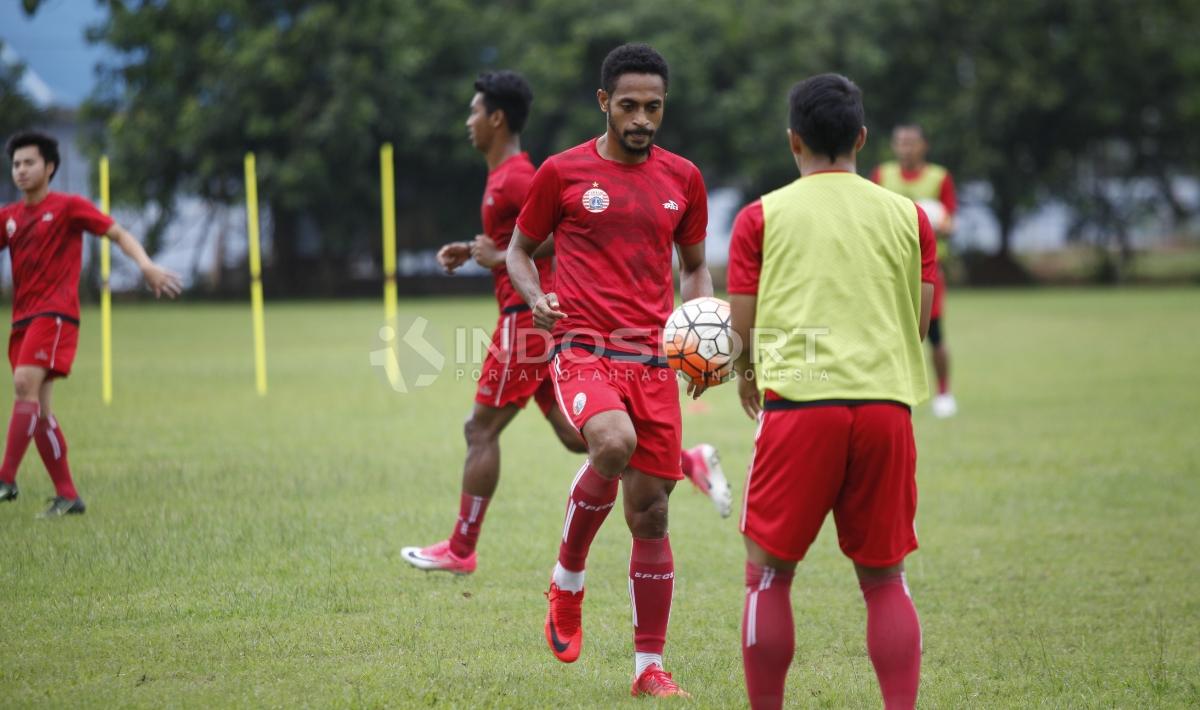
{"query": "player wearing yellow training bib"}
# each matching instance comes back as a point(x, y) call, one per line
point(926, 183)
point(835, 274)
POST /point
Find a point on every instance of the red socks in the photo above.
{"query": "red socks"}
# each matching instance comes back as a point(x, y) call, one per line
point(651, 583)
point(20, 431)
point(943, 385)
point(768, 634)
point(592, 497)
point(52, 445)
point(470, 522)
point(893, 639)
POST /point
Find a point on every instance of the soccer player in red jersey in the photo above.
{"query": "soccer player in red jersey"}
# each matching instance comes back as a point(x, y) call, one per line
point(846, 269)
point(915, 178)
point(516, 368)
point(618, 206)
point(44, 235)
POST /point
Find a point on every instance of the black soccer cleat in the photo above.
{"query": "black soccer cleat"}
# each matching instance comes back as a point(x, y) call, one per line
point(8, 491)
point(60, 506)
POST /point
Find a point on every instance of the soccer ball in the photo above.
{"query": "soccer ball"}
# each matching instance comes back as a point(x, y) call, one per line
point(697, 341)
point(935, 211)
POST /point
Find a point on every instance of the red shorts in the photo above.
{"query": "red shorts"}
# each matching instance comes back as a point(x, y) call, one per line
point(588, 384)
point(939, 291)
point(516, 368)
point(48, 342)
point(860, 461)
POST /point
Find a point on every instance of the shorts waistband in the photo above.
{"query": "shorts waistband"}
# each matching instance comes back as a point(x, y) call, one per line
point(50, 314)
point(520, 308)
point(620, 355)
point(781, 404)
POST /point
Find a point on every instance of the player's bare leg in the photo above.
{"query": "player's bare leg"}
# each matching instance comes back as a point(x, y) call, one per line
point(27, 384)
point(893, 634)
point(571, 439)
point(651, 580)
point(481, 476)
point(768, 631)
point(611, 440)
point(944, 404)
point(52, 446)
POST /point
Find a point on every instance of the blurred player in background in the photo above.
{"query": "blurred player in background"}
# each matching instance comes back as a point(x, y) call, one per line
point(517, 366)
point(618, 206)
point(932, 187)
point(44, 236)
point(847, 268)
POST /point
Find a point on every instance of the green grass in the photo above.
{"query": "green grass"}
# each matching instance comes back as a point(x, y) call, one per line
point(241, 551)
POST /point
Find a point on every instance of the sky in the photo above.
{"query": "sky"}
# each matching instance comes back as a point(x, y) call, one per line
point(51, 43)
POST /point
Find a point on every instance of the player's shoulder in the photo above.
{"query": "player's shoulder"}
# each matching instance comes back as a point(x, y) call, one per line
point(750, 213)
point(676, 163)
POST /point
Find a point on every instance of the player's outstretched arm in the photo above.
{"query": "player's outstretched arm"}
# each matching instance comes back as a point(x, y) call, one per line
point(161, 281)
point(742, 310)
point(524, 276)
point(694, 279)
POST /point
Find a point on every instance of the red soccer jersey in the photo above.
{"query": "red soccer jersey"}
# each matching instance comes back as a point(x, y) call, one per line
point(506, 189)
point(615, 226)
point(46, 244)
point(746, 249)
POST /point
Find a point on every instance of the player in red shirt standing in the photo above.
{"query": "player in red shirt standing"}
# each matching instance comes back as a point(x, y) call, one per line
point(44, 235)
point(618, 206)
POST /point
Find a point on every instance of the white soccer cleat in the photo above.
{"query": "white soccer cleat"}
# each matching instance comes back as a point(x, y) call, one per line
point(709, 477)
point(944, 406)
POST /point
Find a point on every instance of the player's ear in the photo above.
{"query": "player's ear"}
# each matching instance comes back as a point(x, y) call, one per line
point(602, 99)
point(496, 118)
point(795, 143)
point(862, 139)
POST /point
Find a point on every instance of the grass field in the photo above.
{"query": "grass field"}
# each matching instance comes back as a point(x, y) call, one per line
point(241, 551)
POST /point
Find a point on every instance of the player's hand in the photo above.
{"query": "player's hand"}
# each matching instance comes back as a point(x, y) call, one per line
point(454, 255)
point(546, 313)
point(162, 281)
point(748, 395)
point(695, 389)
point(485, 252)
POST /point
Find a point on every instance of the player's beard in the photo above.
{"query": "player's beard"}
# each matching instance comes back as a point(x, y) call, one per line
point(621, 136)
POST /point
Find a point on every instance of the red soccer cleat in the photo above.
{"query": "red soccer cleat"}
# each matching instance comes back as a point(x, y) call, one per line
point(564, 627)
point(657, 683)
point(709, 478)
point(438, 557)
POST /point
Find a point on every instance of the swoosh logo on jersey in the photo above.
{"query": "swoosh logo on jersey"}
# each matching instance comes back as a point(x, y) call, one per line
point(559, 646)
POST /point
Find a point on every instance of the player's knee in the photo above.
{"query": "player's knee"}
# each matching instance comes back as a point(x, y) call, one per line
point(479, 433)
point(26, 386)
point(610, 450)
point(647, 519)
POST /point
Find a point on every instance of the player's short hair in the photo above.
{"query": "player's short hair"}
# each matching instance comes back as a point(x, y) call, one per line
point(826, 111)
point(633, 58)
point(506, 91)
point(46, 145)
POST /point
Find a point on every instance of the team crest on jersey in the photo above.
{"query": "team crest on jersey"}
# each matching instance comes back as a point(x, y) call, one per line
point(11, 227)
point(595, 200)
point(579, 403)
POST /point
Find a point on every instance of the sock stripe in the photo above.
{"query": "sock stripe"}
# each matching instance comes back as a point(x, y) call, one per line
point(633, 602)
point(752, 619)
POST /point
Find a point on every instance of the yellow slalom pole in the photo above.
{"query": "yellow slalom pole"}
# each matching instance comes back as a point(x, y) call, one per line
point(106, 390)
point(388, 193)
point(256, 295)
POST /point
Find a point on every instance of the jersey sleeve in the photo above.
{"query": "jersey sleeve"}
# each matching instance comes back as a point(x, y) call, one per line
point(929, 264)
point(86, 218)
point(542, 208)
point(947, 195)
point(694, 226)
point(746, 250)
point(4, 227)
